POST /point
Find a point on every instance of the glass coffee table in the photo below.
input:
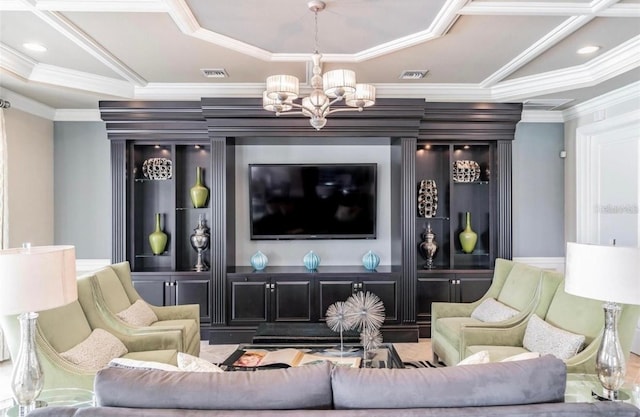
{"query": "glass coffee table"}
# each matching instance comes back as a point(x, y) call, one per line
point(75, 397)
point(251, 357)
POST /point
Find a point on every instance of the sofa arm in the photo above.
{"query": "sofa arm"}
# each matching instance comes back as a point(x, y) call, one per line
point(492, 336)
point(442, 309)
point(178, 312)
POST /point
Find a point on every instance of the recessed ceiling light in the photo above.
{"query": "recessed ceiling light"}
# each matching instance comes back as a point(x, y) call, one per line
point(36, 47)
point(588, 49)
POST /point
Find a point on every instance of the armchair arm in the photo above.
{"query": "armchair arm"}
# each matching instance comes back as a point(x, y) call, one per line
point(178, 312)
point(156, 340)
point(585, 361)
point(60, 372)
point(492, 336)
point(442, 309)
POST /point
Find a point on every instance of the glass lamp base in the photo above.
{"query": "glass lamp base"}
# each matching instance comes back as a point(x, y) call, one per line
point(602, 394)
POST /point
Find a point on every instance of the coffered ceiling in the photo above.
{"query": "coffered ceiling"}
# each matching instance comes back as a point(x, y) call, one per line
point(472, 50)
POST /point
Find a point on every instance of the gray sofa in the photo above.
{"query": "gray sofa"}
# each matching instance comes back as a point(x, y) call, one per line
point(525, 389)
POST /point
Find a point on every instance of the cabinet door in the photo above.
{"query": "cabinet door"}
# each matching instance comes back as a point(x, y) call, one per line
point(191, 290)
point(248, 300)
point(387, 290)
point(332, 290)
point(472, 288)
point(291, 299)
point(152, 291)
point(437, 288)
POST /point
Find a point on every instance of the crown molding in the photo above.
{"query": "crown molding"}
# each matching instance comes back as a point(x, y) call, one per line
point(541, 116)
point(624, 94)
point(102, 5)
point(560, 32)
point(80, 80)
point(77, 115)
point(558, 8)
point(16, 62)
point(27, 105)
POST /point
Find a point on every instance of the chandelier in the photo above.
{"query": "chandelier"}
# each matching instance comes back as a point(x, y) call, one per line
point(283, 90)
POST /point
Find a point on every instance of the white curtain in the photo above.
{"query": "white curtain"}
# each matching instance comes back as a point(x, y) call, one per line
point(4, 208)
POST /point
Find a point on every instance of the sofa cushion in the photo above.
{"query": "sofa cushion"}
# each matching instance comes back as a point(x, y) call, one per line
point(64, 327)
point(492, 311)
point(138, 314)
point(542, 337)
point(305, 387)
point(95, 351)
point(503, 383)
point(476, 358)
point(137, 364)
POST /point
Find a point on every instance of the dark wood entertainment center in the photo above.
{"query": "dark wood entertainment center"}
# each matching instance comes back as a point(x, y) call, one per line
point(424, 140)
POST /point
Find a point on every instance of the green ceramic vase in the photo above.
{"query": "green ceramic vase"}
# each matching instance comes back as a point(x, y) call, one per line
point(468, 238)
point(199, 193)
point(158, 239)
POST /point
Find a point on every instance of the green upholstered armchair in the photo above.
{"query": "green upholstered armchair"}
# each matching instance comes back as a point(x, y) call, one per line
point(113, 292)
point(567, 312)
point(62, 328)
point(514, 284)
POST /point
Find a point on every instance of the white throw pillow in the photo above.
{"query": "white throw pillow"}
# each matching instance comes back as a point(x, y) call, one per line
point(491, 311)
point(138, 364)
point(190, 363)
point(476, 358)
point(544, 338)
point(138, 314)
point(522, 357)
point(95, 351)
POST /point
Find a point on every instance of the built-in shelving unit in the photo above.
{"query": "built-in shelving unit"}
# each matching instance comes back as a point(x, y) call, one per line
point(424, 140)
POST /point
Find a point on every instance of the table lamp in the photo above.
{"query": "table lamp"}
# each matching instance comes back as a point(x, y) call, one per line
point(33, 279)
point(610, 274)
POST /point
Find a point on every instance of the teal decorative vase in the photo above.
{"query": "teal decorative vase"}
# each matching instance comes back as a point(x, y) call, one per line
point(468, 238)
point(259, 261)
point(199, 193)
point(311, 261)
point(370, 261)
point(158, 239)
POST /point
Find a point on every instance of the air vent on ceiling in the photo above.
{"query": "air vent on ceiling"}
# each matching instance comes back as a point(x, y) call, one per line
point(413, 74)
point(214, 72)
point(545, 103)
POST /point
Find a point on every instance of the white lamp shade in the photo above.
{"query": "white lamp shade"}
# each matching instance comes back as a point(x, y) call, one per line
point(607, 273)
point(37, 278)
point(338, 83)
point(365, 96)
point(282, 87)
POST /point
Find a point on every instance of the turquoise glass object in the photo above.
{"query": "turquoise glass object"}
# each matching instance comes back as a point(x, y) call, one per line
point(370, 261)
point(311, 260)
point(259, 261)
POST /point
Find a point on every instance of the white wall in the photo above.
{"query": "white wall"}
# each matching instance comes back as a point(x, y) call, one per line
point(331, 252)
point(30, 178)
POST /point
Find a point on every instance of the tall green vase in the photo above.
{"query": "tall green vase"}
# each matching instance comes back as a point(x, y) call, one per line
point(199, 193)
point(158, 239)
point(468, 238)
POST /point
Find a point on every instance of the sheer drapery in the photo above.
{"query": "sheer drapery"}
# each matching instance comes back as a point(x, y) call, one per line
point(4, 221)
point(4, 207)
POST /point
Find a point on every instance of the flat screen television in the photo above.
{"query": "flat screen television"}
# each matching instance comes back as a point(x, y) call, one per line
point(313, 201)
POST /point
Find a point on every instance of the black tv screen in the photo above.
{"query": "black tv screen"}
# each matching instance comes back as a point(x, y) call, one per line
point(312, 201)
